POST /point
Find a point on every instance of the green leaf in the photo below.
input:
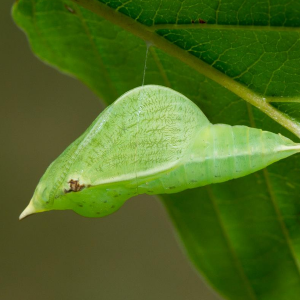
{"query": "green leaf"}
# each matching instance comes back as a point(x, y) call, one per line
point(242, 66)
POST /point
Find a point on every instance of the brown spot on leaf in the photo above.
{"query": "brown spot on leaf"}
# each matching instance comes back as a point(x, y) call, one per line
point(70, 9)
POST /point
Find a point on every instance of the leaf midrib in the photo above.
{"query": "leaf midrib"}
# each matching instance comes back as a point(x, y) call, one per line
point(144, 32)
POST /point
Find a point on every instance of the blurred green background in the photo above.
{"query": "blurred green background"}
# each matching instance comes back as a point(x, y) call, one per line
point(132, 254)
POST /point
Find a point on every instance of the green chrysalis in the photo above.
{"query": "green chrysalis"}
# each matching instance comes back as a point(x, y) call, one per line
point(151, 140)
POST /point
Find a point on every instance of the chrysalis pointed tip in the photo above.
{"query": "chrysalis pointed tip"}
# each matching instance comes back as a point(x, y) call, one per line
point(29, 210)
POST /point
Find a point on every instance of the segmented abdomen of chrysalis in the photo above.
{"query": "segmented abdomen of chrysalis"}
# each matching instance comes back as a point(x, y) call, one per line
point(220, 153)
point(151, 140)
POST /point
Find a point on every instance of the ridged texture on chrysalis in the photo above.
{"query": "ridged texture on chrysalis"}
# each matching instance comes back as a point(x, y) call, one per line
point(151, 140)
